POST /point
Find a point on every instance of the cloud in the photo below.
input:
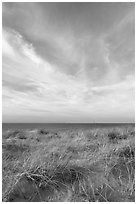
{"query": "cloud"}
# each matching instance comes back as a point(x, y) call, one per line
point(121, 43)
point(53, 71)
point(6, 48)
point(21, 86)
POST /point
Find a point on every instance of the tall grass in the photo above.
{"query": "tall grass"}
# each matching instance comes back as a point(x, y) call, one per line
point(70, 165)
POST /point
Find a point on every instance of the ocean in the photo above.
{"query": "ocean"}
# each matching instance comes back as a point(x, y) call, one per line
point(51, 126)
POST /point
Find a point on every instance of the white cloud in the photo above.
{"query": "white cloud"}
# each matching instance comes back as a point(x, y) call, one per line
point(85, 83)
point(6, 48)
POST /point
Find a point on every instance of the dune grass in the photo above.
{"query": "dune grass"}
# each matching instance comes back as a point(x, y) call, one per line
point(69, 165)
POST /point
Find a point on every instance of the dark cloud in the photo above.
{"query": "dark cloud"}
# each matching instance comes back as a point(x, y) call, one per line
point(79, 17)
point(20, 85)
point(6, 97)
point(43, 23)
point(122, 44)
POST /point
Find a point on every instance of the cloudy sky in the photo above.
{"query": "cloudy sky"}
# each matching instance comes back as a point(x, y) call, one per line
point(68, 62)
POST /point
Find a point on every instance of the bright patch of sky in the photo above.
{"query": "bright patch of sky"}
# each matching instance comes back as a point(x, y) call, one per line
point(68, 62)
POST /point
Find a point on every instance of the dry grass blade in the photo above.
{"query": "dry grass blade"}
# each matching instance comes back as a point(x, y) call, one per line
point(76, 166)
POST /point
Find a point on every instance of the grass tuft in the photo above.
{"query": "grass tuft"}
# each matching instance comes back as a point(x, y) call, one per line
point(70, 165)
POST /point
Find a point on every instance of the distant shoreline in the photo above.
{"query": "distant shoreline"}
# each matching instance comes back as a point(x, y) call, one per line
point(59, 126)
point(72, 123)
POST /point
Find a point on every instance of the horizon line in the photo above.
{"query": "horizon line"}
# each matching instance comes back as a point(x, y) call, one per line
point(68, 122)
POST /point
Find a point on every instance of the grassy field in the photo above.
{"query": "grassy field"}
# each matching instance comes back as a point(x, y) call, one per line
point(69, 165)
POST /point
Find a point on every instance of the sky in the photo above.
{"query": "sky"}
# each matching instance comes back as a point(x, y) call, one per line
point(68, 62)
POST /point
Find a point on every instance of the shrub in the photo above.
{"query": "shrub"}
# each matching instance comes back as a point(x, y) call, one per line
point(122, 137)
point(113, 135)
point(116, 136)
point(43, 132)
point(132, 133)
point(21, 135)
